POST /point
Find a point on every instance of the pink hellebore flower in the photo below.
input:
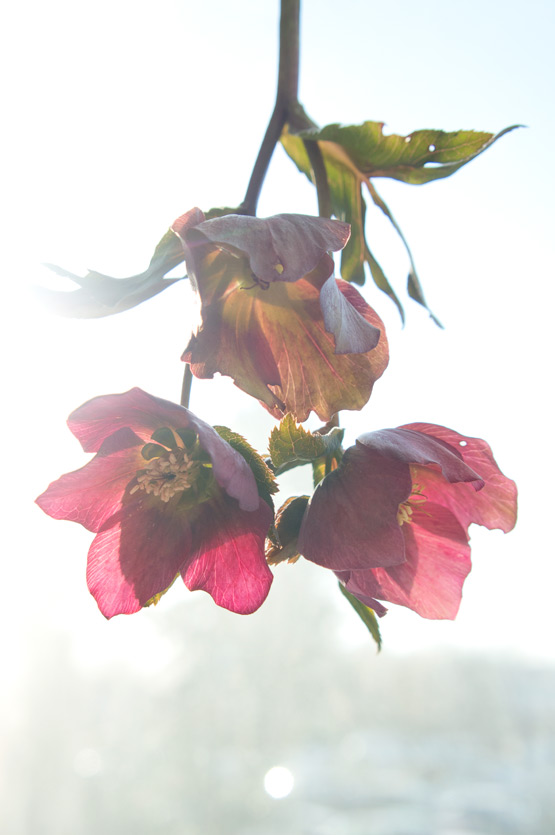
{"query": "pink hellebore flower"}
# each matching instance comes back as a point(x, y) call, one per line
point(274, 318)
point(165, 495)
point(392, 520)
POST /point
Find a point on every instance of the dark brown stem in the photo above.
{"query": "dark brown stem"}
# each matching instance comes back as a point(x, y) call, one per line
point(286, 100)
point(186, 386)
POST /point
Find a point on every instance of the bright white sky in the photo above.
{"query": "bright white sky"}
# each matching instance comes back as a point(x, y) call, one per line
point(123, 115)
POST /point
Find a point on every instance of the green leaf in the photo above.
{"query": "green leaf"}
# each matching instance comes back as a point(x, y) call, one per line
point(102, 295)
point(265, 479)
point(366, 614)
point(354, 154)
point(291, 445)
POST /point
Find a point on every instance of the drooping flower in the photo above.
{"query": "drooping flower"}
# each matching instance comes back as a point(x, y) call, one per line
point(166, 495)
point(273, 316)
point(392, 520)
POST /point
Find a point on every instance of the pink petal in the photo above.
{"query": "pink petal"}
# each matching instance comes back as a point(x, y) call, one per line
point(351, 520)
point(430, 581)
point(100, 417)
point(187, 221)
point(228, 560)
point(281, 248)
point(93, 494)
point(494, 506)
point(138, 554)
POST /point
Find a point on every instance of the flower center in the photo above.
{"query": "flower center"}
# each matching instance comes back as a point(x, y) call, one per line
point(414, 502)
point(170, 473)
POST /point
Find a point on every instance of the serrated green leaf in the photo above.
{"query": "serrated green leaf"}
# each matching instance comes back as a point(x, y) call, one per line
point(265, 479)
point(354, 154)
point(291, 445)
point(366, 614)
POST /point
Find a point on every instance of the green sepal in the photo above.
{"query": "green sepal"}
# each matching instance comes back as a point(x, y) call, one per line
point(366, 614)
point(265, 479)
point(291, 445)
point(220, 211)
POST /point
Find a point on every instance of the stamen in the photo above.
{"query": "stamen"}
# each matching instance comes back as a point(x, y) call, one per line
point(414, 502)
point(164, 476)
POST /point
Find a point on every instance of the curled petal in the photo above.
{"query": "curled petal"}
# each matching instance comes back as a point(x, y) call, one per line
point(100, 417)
point(430, 581)
point(94, 493)
point(495, 506)
point(352, 333)
point(412, 447)
point(281, 248)
point(351, 520)
point(228, 556)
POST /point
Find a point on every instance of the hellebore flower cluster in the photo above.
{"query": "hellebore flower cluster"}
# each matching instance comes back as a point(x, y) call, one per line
point(392, 520)
point(166, 496)
point(274, 318)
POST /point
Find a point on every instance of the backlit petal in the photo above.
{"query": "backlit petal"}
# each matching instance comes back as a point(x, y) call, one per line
point(228, 560)
point(93, 494)
point(430, 581)
point(138, 554)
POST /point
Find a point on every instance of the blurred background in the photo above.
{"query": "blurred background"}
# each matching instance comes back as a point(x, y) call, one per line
point(186, 719)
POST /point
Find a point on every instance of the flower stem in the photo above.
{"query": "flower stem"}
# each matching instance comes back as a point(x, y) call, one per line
point(186, 386)
point(286, 100)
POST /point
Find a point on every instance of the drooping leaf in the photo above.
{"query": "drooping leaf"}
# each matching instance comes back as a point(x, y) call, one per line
point(265, 479)
point(102, 295)
point(291, 444)
point(355, 154)
point(366, 614)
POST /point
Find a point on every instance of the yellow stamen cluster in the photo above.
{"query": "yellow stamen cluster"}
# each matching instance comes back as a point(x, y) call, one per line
point(414, 502)
point(165, 476)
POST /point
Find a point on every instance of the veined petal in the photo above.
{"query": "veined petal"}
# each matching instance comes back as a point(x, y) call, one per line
point(94, 493)
point(100, 417)
point(430, 581)
point(273, 342)
point(494, 506)
point(351, 520)
point(228, 560)
point(137, 554)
